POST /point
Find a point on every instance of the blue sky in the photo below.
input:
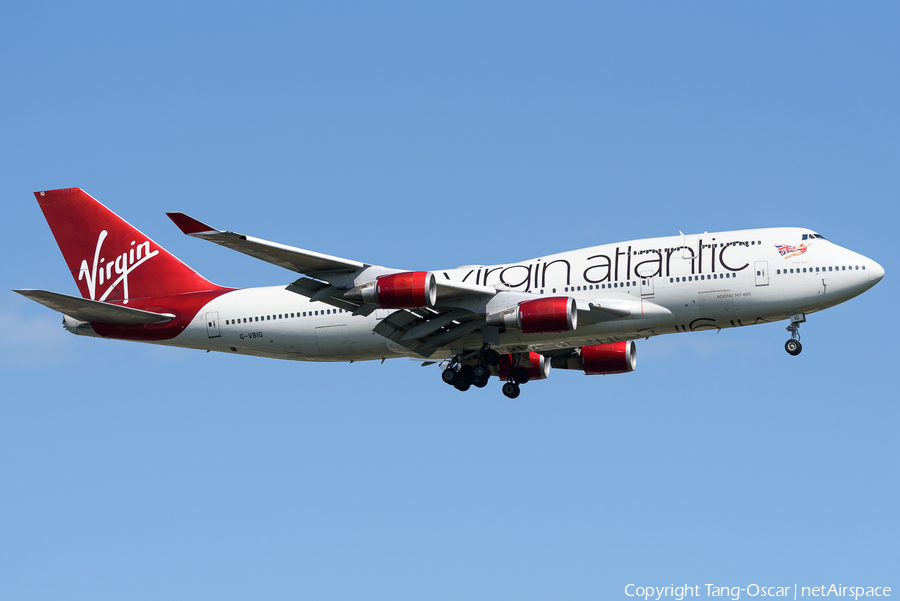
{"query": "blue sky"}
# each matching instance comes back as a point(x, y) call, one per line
point(429, 136)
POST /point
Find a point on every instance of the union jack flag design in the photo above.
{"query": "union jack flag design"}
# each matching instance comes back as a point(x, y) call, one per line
point(786, 250)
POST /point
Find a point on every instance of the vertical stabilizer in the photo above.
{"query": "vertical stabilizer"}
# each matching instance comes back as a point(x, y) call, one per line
point(110, 259)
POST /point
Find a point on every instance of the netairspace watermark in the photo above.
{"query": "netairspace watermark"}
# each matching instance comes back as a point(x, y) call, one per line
point(794, 591)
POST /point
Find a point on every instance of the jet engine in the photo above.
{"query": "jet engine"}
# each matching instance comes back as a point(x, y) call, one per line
point(407, 290)
point(537, 365)
point(600, 359)
point(539, 316)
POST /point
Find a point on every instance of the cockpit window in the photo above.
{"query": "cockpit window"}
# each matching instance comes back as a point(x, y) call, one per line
point(814, 237)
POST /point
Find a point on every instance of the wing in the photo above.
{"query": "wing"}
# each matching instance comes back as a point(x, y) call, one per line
point(84, 309)
point(296, 259)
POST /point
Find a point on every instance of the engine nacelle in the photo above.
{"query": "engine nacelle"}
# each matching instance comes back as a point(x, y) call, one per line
point(538, 366)
point(539, 316)
point(600, 359)
point(407, 290)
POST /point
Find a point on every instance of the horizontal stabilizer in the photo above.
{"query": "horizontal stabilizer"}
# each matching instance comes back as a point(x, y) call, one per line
point(84, 309)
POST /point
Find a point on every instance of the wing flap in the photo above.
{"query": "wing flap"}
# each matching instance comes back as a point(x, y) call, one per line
point(450, 327)
point(322, 292)
point(84, 309)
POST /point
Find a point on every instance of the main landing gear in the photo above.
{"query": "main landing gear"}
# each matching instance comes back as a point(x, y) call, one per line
point(464, 376)
point(511, 390)
point(793, 346)
point(517, 376)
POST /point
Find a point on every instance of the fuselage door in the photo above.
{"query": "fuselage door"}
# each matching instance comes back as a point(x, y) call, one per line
point(646, 286)
point(212, 324)
point(762, 273)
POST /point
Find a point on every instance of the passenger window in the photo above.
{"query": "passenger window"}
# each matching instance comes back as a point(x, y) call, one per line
point(670, 280)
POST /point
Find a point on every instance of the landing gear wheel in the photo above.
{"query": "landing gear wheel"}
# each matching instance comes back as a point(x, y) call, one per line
point(520, 375)
point(480, 382)
point(466, 373)
point(450, 376)
point(481, 372)
point(462, 385)
point(511, 390)
point(793, 347)
point(490, 357)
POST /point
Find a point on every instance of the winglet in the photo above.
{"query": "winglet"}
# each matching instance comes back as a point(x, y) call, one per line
point(191, 226)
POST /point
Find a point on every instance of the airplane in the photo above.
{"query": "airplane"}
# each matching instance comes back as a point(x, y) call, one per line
point(579, 310)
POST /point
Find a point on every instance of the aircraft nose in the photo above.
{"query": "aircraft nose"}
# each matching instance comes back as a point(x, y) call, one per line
point(876, 272)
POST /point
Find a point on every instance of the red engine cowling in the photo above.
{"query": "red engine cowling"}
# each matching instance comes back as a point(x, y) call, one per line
point(548, 315)
point(611, 358)
point(538, 366)
point(407, 290)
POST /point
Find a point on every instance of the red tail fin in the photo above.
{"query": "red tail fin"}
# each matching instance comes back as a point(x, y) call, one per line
point(109, 259)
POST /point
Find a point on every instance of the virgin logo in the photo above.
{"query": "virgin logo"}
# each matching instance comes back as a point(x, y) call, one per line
point(103, 271)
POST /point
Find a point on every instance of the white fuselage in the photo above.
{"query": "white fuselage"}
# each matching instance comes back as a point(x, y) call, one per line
point(705, 281)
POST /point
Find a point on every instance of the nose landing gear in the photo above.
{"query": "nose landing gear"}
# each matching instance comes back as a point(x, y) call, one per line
point(793, 346)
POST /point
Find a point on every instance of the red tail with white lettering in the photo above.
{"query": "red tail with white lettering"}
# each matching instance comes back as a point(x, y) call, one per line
point(109, 259)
